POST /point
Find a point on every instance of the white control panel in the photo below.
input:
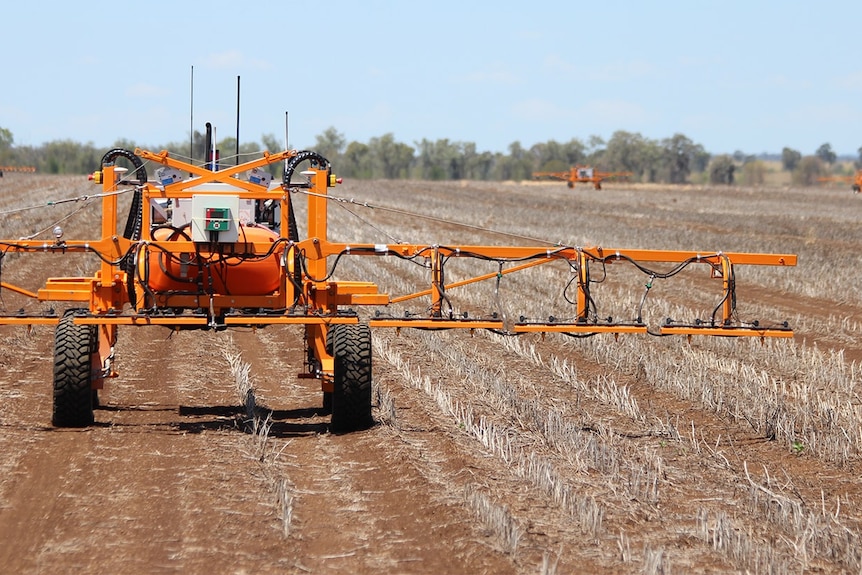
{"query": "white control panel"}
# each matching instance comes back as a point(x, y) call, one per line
point(213, 218)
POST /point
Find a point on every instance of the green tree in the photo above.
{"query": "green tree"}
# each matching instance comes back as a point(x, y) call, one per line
point(554, 156)
point(390, 159)
point(680, 154)
point(480, 166)
point(808, 170)
point(595, 150)
point(330, 144)
point(271, 143)
point(653, 162)
point(626, 152)
point(68, 157)
point(520, 165)
point(442, 160)
point(427, 162)
point(721, 170)
point(357, 161)
point(825, 154)
point(790, 159)
point(700, 159)
point(6, 139)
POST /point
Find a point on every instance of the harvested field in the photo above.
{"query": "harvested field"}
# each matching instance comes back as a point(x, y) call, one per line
point(491, 454)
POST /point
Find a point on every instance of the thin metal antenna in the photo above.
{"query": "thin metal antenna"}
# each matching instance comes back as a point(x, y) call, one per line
point(192, 119)
point(236, 158)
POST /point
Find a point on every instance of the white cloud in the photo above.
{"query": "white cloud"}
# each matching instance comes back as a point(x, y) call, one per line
point(556, 63)
point(233, 59)
point(621, 71)
point(146, 91)
point(581, 72)
point(541, 110)
point(828, 114)
point(495, 73)
point(851, 81)
point(591, 115)
point(613, 112)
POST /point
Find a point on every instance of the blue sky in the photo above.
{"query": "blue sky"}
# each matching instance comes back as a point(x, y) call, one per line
point(731, 75)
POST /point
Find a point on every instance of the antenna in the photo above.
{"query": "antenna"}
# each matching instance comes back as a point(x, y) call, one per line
point(208, 145)
point(236, 158)
point(192, 119)
point(286, 141)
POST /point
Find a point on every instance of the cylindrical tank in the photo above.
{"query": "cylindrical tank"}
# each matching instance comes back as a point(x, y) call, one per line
point(219, 271)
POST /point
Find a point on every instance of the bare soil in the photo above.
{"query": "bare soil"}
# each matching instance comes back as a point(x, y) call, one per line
point(170, 480)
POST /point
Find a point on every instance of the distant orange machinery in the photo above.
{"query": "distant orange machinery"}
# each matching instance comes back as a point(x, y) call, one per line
point(581, 174)
point(28, 169)
point(855, 180)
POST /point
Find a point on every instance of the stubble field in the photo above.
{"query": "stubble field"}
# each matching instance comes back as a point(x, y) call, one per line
point(491, 453)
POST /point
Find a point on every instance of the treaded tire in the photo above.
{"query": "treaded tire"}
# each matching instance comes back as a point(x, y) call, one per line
point(327, 395)
point(351, 397)
point(73, 394)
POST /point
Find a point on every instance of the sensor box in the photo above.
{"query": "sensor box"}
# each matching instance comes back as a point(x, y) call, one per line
point(215, 218)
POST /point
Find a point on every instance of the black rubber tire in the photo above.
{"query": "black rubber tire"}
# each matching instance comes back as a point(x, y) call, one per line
point(73, 393)
point(327, 395)
point(351, 397)
point(326, 409)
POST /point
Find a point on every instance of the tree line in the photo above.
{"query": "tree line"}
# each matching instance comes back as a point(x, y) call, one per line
point(673, 160)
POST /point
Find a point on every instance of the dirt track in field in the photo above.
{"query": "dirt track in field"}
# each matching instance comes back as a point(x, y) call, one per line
point(487, 457)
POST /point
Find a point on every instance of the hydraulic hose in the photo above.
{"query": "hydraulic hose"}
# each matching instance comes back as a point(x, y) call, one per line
point(132, 230)
point(134, 222)
point(314, 159)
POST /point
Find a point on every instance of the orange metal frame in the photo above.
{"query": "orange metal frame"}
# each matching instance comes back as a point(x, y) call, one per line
point(855, 180)
point(105, 294)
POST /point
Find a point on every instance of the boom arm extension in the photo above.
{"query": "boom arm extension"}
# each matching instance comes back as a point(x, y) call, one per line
point(320, 297)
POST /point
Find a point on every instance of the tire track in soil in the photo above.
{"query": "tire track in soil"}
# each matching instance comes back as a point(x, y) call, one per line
point(551, 528)
point(159, 484)
point(389, 487)
point(369, 502)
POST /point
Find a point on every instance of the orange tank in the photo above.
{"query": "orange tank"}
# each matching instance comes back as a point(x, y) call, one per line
point(229, 274)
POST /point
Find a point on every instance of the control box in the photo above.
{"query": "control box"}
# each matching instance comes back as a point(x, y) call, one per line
point(213, 218)
point(166, 176)
point(259, 177)
point(207, 222)
point(217, 219)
